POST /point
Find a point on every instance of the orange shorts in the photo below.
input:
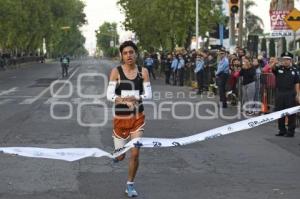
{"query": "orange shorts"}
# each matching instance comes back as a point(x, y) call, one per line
point(126, 125)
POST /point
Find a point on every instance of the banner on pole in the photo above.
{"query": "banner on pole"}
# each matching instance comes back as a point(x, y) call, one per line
point(279, 27)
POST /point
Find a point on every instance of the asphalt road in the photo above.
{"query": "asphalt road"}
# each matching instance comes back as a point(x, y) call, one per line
point(252, 164)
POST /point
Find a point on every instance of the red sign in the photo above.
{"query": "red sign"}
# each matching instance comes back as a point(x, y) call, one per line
point(277, 20)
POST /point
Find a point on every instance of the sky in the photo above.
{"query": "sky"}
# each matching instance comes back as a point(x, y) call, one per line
point(100, 11)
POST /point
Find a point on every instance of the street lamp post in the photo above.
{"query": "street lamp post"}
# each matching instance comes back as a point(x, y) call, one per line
point(197, 23)
point(112, 37)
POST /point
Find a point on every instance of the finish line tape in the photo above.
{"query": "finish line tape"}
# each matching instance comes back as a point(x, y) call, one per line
point(73, 154)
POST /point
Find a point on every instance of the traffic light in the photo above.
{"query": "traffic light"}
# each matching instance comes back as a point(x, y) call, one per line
point(234, 6)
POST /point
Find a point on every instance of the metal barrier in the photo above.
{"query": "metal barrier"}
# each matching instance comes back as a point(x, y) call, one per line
point(265, 90)
point(21, 60)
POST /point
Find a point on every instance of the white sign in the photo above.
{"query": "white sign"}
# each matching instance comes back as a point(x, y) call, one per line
point(112, 43)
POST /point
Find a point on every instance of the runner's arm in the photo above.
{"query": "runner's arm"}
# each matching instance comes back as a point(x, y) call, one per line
point(112, 84)
point(146, 86)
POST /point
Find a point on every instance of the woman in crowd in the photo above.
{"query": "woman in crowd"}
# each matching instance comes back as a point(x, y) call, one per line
point(248, 72)
point(257, 97)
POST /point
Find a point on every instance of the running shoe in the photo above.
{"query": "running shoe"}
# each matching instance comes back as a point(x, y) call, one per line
point(130, 191)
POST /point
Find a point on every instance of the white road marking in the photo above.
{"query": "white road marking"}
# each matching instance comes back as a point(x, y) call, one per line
point(51, 100)
point(5, 101)
point(15, 96)
point(14, 89)
point(60, 89)
point(32, 100)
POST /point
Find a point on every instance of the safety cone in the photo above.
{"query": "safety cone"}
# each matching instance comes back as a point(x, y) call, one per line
point(264, 106)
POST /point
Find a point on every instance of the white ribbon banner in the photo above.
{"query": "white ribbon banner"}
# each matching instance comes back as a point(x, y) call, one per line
point(73, 154)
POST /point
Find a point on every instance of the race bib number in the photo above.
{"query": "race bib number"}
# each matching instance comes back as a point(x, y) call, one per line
point(130, 93)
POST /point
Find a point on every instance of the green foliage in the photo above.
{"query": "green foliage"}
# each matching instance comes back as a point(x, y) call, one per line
point(254, 23)
point(106, 34)
point(161, 23)
point(24, 24)
point(112, 52)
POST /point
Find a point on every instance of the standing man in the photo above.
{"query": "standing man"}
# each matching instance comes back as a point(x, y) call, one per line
point(287, 92)
point(2, 64)
point(174, 66)
point(222, 75)
point(149, 63)
point(199, 71)
point(206, 71)
point(65, 61)
point(167, 62)
point(128, 87)
point(180, 68)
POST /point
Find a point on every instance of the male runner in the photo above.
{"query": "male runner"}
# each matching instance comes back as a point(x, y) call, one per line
point(128, 86)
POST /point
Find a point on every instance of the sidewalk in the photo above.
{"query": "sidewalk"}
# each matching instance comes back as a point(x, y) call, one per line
point(24, 65)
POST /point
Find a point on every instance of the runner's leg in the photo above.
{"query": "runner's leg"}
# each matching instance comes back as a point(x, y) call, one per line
point(134, 158)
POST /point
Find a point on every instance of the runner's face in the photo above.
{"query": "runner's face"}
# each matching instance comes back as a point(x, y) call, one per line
point(129, 55)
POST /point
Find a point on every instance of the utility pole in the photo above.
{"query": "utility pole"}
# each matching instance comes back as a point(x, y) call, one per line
point(232, 30)
point(197, 23)
point(241, 24)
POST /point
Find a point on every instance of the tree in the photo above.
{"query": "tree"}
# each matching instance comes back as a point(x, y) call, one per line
point(24, 24)
point(272, 52)
point(254, 23)
point(161, 23)
point(106, 35)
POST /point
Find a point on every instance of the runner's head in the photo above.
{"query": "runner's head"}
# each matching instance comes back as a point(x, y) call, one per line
point(128, 52)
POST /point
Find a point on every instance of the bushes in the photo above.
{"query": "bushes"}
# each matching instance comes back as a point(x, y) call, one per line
point(112, 52)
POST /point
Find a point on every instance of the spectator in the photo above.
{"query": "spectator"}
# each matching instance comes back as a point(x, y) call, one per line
point(234, 74)
point(241, 54)
point(212, 64)
point(206, 71)
point(149, 63)
point(248, 72)
point(180, 68)
point(258, 65)
point(269, 77)
point(2, 62)
point(174, 67)
point(199, 71)
point(155, 59)
point(222, 75)
point(167, 65)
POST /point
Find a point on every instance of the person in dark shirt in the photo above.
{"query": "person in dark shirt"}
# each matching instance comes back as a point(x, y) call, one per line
point(65, 62)
point(129, 86)
point(167, 62)
point(2, 62)
point(287, 92)
point(248, 72)
point(206, 71)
